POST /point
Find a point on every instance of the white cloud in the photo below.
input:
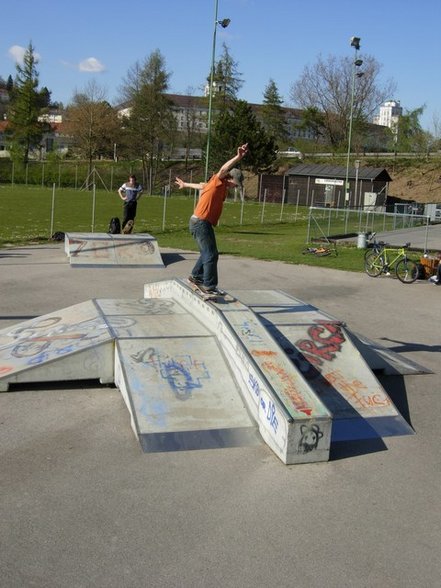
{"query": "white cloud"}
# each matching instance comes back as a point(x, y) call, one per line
point(16, 52)
point(91, 64)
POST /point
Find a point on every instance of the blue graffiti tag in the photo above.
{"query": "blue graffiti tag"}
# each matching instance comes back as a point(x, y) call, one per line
point(271, 416)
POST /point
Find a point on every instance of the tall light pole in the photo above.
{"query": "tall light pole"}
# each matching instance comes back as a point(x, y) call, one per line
point(223, 23)
point(355, 42)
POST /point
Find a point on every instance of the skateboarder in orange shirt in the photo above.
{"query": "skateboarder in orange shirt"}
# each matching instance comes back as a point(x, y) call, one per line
point(206, 216)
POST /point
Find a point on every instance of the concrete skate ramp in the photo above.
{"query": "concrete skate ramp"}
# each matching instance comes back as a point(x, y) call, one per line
point(69, 344)
point(324, 352)
point(103, 250)
point(291, 418)
point(169, 368)
point(198, 375)
point(174, 379)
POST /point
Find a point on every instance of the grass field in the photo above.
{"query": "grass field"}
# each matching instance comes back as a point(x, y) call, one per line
point(262, 231)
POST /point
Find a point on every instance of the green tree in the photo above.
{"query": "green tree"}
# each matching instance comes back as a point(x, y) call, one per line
point(92, 124)
point(227, 80)
point(24, 129)
point(150, 124)
point(325, 89)
point(10, 84)
point(272, 114)
point(236, 127)
point(409, 135)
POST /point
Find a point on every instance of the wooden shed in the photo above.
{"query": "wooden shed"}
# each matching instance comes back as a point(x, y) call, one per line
point(323, 185)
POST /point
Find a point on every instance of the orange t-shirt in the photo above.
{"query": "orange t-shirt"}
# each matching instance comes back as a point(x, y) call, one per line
point(211, 200)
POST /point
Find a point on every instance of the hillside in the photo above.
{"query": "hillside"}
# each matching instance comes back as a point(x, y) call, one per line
point(412, 179)
point(420, 182)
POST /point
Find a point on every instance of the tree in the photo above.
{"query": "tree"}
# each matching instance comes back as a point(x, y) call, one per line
point(409, 135)
point(24, 128)
point(92, 124)
point(326, 90)
point(239, 126)
point(190, 135)
point(272, 114)
point(150, 124)
point(227, 80)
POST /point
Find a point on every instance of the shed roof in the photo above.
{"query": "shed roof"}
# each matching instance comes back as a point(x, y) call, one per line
point(338, 171)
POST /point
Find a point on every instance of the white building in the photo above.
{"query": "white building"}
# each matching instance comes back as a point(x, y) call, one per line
point(389, 116)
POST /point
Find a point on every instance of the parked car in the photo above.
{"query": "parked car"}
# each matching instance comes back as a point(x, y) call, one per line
point(291, 152)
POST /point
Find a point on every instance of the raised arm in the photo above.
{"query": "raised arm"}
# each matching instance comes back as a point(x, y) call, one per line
point(181, 184)
point(241, 152)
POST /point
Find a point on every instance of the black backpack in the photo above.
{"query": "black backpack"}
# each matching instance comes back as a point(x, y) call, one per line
point(114, 226)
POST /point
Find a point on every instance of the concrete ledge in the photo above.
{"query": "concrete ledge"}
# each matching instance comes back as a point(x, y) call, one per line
point(103, 250)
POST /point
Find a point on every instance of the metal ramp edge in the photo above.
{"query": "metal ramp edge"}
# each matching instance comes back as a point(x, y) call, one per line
point(385, 360)
point(291, 419)
point(104, 250)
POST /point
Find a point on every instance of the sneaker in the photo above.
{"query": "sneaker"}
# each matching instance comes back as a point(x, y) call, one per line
point(433, 280)
point(207, 290)
point(217, 290)
point(195, 280)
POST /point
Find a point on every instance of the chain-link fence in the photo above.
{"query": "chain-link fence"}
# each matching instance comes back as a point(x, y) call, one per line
point(331, 223)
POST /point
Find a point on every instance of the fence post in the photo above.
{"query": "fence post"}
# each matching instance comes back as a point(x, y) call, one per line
point(263, 206)
point(164, 208)
point(283, 202)
point(52, 211)
point(93, 206)
point(308, 236)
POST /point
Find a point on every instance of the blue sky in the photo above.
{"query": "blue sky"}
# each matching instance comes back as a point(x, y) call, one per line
point(96, 39)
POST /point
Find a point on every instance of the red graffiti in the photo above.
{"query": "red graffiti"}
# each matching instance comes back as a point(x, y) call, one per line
point(289, 387)
point(326, 340)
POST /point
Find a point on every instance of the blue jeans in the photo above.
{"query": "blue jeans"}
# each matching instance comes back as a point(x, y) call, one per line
point(206, 266)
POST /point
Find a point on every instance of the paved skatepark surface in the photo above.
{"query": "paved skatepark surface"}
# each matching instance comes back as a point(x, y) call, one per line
point(83, 505)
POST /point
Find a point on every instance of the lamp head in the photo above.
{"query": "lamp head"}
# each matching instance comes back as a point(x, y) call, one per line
point(355, 42)
point(224, 23)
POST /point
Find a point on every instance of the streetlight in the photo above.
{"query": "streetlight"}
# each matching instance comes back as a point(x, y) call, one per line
point(355, 42)
point(223, 23)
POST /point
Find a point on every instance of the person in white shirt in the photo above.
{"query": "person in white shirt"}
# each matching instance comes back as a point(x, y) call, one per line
point(130, 192)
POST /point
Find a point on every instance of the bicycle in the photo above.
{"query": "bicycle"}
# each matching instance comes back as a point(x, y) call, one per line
point(317, 251)
point(378, 261)
point(373, 245)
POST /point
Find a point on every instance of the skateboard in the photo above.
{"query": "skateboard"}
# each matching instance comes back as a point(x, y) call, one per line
point(215, 297)
point(128, 227)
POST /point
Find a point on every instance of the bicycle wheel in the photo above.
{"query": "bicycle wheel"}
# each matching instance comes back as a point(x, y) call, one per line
point(373, 264)
point(406, 271)
point(372, 250)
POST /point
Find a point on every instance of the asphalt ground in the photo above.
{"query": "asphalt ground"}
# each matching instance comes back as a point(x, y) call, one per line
point(81, 505)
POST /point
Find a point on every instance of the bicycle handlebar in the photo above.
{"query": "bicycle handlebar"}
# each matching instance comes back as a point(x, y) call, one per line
point(389, 246)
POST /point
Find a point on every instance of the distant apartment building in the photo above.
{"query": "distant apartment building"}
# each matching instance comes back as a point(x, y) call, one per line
point(191, 114)
point(389, 116)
